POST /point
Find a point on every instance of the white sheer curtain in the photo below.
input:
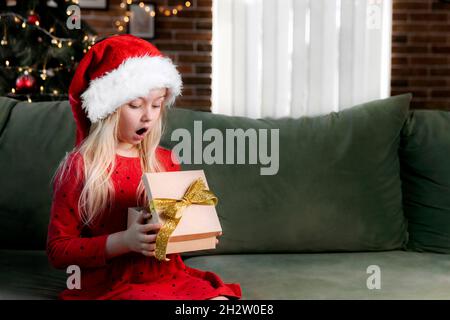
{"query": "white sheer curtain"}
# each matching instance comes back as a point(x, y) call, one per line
point(299, 57)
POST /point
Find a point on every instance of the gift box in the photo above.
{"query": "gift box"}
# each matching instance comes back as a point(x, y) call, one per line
point(174, 246)
point(182, 202)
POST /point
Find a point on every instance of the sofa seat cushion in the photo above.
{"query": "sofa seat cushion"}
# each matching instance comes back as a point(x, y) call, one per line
point(27, 275)
point(404, 275)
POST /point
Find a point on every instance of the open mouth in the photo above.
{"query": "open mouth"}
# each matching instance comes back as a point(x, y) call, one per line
point(141, 131)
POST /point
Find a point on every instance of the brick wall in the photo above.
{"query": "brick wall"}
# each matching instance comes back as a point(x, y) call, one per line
point(421, 52)
point(185, 38)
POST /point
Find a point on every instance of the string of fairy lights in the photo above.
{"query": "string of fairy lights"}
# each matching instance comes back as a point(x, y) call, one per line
point(163, 10)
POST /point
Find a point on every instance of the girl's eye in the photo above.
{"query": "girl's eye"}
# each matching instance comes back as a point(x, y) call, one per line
point(134, 107)
point(157, 106)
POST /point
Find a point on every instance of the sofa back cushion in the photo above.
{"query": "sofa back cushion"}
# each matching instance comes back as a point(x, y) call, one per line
point(425, 161)
point(33, 141)
point(338, 185)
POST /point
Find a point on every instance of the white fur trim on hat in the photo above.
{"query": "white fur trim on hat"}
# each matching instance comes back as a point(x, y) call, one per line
point(134, 78)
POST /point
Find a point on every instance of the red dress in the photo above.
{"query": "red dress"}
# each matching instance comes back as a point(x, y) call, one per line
point(132, 275)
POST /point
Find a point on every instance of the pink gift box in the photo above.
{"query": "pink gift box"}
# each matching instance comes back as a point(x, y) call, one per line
point(199, 224)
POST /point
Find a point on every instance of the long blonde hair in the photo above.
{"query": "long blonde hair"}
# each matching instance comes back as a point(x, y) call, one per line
point(98, 152)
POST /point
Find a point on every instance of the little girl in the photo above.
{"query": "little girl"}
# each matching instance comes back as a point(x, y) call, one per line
point(119, 94)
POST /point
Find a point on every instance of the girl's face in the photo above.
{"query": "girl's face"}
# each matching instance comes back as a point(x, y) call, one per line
point(138, 116)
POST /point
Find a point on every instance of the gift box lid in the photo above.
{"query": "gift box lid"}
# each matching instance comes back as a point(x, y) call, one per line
point(197, 221)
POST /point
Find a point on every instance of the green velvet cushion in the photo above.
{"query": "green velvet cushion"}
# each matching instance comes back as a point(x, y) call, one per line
point(403, 275)
point(338, 186)
point(33, 142)
point(27, 275)
point(425, 160)
point(6, 106)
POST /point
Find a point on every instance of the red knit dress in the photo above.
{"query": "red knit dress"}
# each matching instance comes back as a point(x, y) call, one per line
point(132, 275)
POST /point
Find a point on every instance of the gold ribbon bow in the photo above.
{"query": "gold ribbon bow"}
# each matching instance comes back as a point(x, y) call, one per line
point(171, 210)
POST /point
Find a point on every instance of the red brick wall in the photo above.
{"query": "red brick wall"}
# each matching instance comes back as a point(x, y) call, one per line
point(185, 38)
point(421, 52)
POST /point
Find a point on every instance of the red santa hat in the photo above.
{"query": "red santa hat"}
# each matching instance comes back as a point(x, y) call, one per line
point(114, 71)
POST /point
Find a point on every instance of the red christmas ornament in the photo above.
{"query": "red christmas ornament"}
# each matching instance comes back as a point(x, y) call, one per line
point(33, 18)
point(25, 83)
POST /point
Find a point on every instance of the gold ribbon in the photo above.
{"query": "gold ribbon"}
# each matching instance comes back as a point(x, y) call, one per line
point(171, 210)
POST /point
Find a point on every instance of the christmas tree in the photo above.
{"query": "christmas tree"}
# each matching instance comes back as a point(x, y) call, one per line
point(41, 44)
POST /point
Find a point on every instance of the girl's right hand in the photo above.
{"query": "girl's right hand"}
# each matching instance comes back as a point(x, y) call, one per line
point(137, 239)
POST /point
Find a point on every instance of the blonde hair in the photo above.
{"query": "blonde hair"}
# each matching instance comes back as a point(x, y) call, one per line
point(98, 153)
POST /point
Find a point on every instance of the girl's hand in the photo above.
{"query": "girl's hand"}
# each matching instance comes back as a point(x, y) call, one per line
point(217, 240)
point(137, 239)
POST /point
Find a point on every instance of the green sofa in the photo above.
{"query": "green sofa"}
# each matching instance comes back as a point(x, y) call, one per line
point(348, 205)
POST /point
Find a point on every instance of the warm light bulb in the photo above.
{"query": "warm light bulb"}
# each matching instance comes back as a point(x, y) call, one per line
point(167, 12)
point(141, 4)
point(60, 45)
point(174, 11)
point(29, 100)
point(153, 13)
point(24, 25)
point(69, 43)
point(55, 92)
point(7, 63)
point(42, 88)
point(120, 28)
point(122, 5)
point(188, 4)
point(147, 9)
point(129, 1)
point(13, 90)
point(126, 19)
point(37, 23)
